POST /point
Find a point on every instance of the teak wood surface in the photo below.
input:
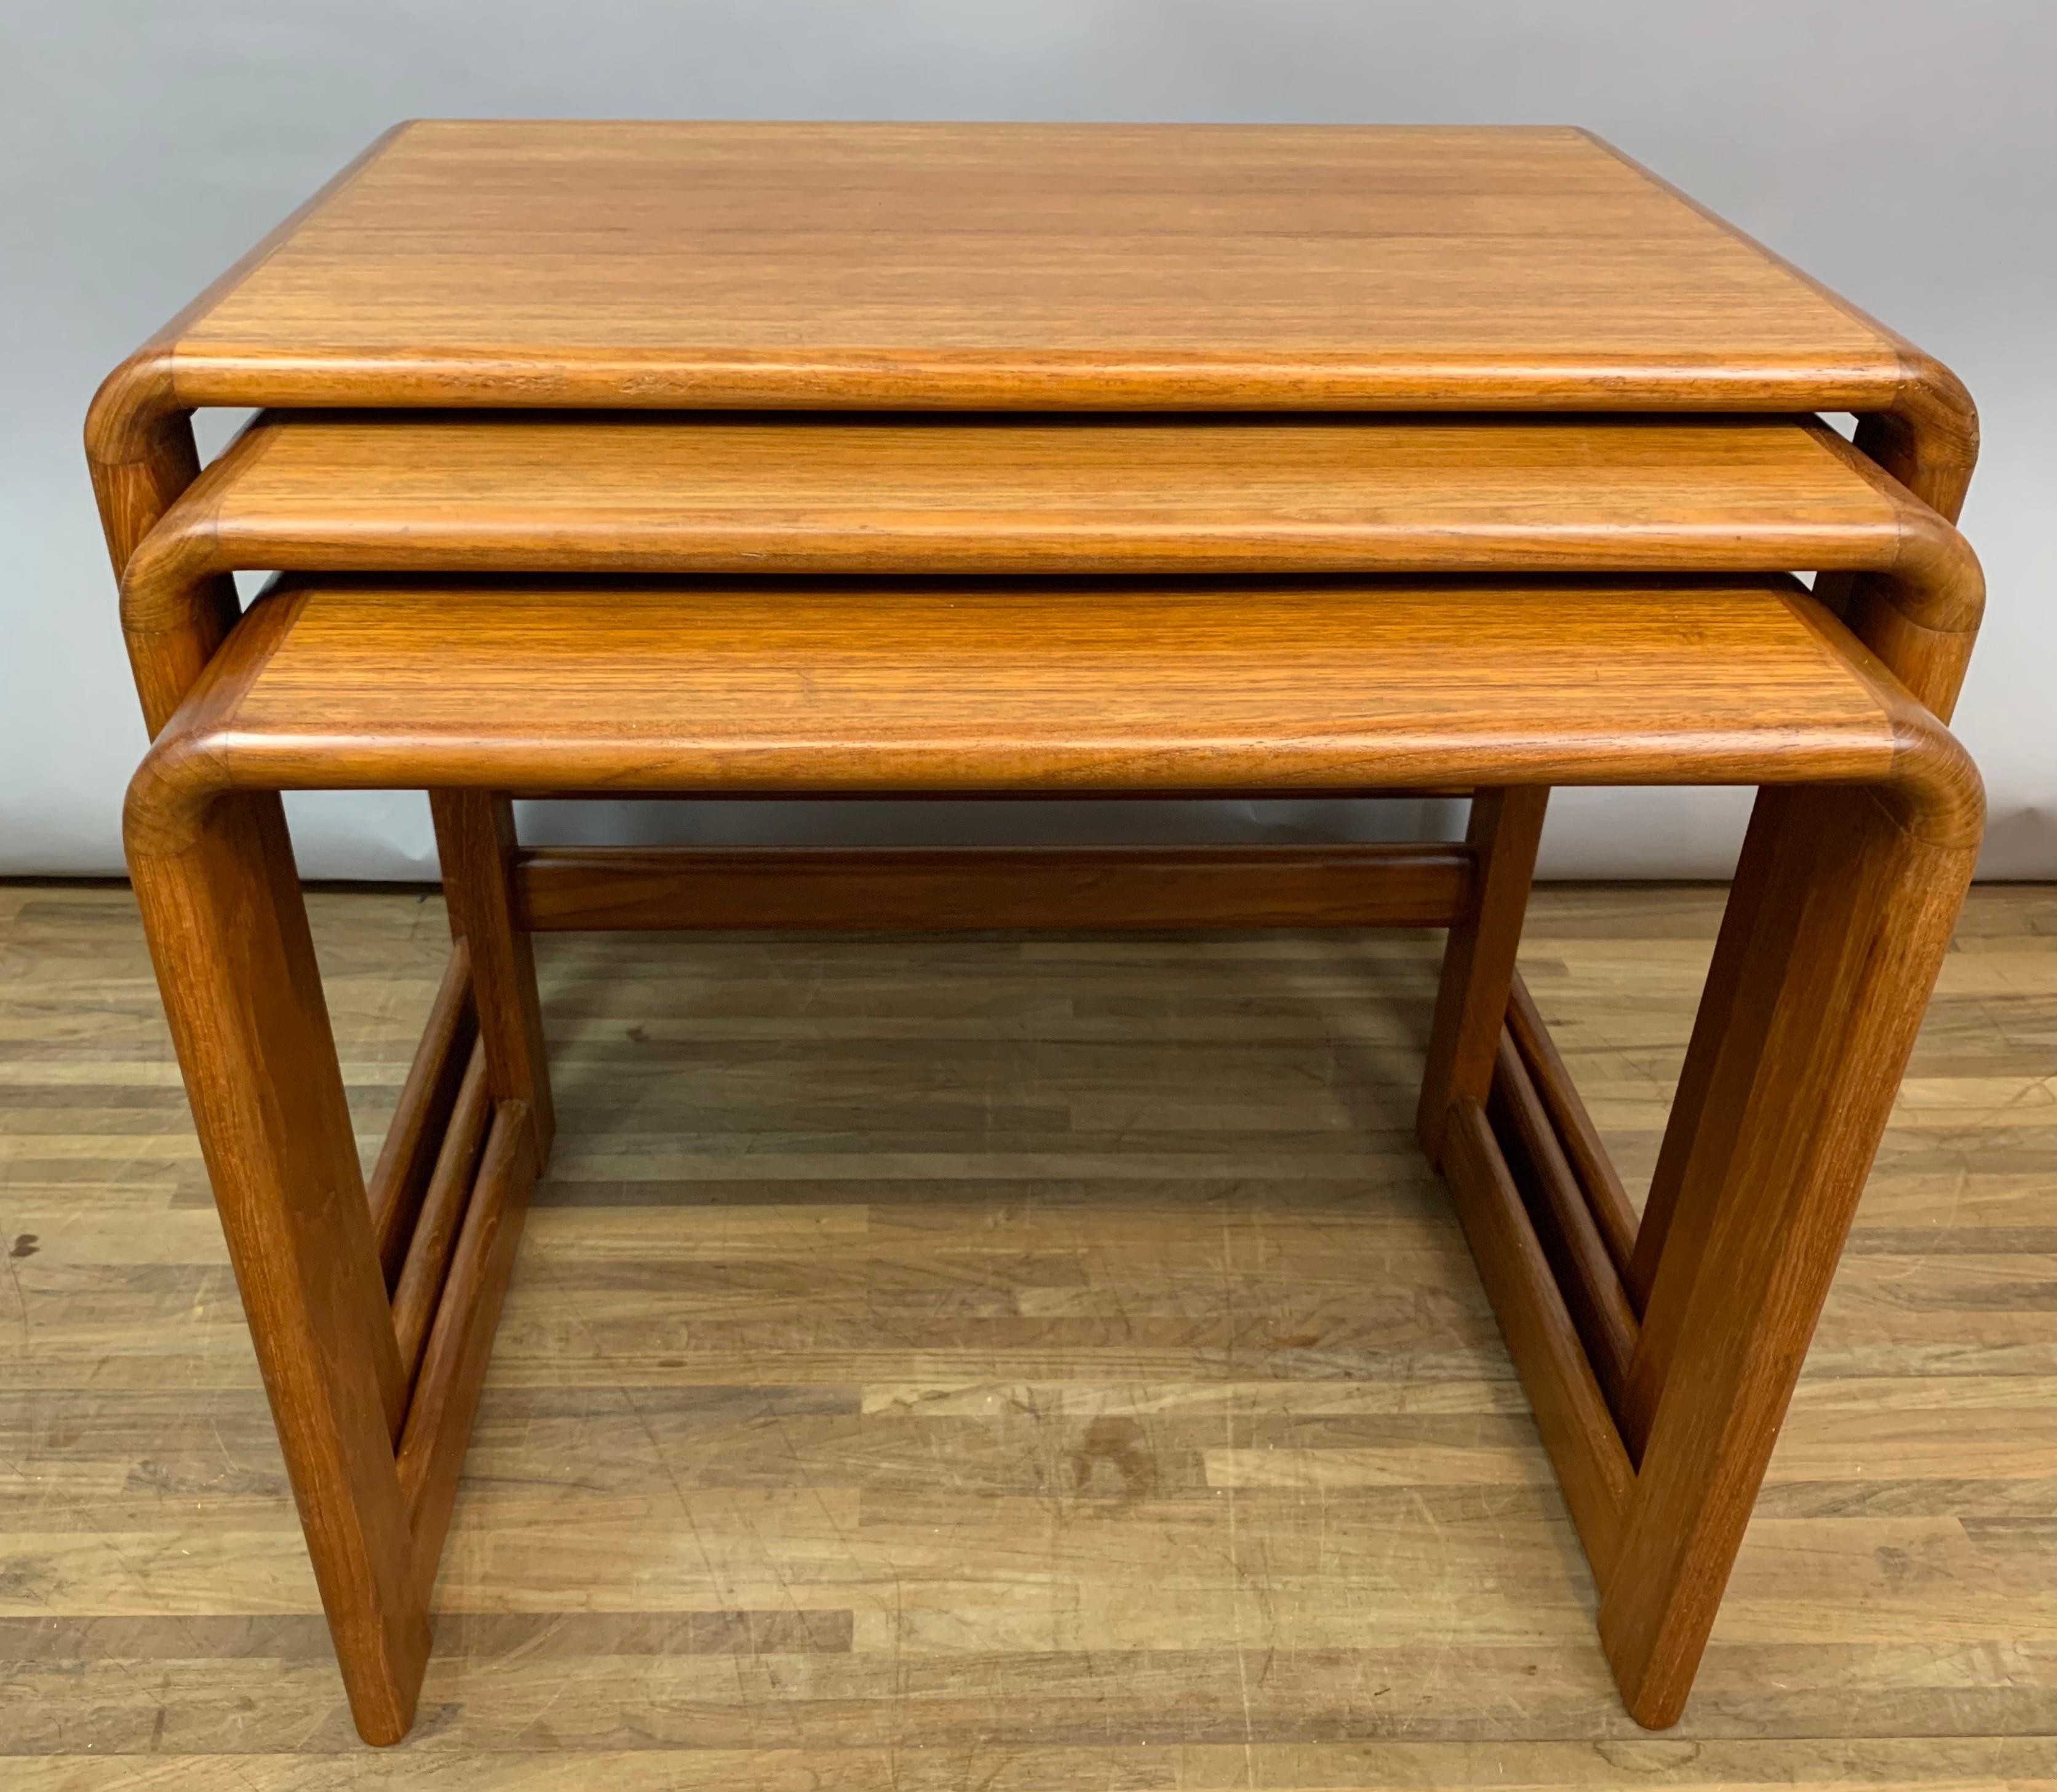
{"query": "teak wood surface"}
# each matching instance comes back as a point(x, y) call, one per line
point(843, 494)
point(659, 265)
point(648, 265)
point(437, 220)
point(1109, 268)
point(341, 681)
point(1059, 266)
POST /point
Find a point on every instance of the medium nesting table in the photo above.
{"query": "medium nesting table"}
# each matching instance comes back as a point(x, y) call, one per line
point(1328, 460)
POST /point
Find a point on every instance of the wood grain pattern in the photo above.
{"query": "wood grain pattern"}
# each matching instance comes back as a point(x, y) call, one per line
point(628, 266)
point(623, 265)
point(536, 492)
point(1845, 944)
point(1928, 437)
point(881, 1281)
point(513, 265)
point(531, 492)
point(236, 964)
point(338, 682)
point(139, 439)
point(727, 263)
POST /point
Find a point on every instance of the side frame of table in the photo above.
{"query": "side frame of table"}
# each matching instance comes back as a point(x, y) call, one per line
point(1659, 1412)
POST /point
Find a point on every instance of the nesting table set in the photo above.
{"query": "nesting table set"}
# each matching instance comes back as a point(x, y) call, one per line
point(757, 462)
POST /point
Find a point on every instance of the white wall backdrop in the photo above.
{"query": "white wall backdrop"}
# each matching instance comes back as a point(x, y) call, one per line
point(1905, 151)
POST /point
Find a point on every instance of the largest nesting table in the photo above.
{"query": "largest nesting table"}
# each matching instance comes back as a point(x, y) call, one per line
point(458, 271)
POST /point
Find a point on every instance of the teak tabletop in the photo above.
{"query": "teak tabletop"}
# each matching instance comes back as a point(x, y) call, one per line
point(739, 263)
point(654, 265)
point(848, 491)
point(657, 686)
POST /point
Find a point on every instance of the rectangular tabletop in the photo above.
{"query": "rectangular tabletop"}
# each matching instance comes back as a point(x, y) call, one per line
point(336, 681)
point(1056, 265)
point(846, 493)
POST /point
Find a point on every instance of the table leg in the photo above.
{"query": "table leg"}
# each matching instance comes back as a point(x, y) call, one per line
point(1827, 958)
point(475, 836)
point(1478, 962)
point(1715, 1023)
point(227, 929)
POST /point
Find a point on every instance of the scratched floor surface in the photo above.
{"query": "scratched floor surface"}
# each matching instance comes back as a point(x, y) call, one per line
point(1026, 1365)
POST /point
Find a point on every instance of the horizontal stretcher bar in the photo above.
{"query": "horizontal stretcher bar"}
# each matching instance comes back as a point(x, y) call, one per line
point(907, 889)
